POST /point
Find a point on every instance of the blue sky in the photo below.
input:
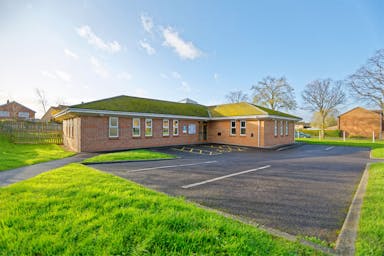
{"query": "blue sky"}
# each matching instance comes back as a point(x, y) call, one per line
point(86, 50)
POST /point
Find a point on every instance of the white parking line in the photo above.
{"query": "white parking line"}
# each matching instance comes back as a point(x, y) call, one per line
point(171, 166)
point(224, 177)
point(329, 148)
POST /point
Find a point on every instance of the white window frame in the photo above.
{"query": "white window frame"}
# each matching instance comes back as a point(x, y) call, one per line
point(109, 127)
point(165, 127)
point(281, 128)
point(241, 128)
point(275, 128)
point(4, 114)
point(232, 127)
point(175, 124)
point(22, 114)
point(286, 128)
point(136, 127)
point(148, 127)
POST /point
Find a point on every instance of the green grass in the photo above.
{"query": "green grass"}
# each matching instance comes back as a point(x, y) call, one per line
point(140, 154)
point(370, 239)
point(377, 147)
point(17, 155)
point(76, 210)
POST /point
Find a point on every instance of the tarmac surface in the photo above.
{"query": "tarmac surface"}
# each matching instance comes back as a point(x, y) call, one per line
point(305, 190)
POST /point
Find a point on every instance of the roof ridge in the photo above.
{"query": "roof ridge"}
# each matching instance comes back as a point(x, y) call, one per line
point(256, 106)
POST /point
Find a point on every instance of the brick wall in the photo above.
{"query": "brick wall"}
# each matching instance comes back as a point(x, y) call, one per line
point(219, 132)
point(269, 133)
point(360, 122)
point(95, 135)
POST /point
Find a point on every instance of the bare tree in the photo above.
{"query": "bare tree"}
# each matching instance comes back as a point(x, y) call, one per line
point(274, 93)
point(367, 83)
point(41, 98)
point(236, 96)
point(323, 96)
point(330, 120)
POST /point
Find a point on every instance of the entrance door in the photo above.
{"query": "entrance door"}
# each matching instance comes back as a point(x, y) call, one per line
point(203, 131)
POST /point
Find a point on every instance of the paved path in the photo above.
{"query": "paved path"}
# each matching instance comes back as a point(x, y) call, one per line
point(26, 172)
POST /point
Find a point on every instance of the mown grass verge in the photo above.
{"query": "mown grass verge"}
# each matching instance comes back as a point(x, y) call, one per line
point(17, 155)
point(76, 210)
point(377, 147)
point(140, 154)
point(370, 236)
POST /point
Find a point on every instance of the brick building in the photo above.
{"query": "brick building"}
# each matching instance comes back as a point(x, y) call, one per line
point(14, 110)
point(126, 122)
point(361, 122)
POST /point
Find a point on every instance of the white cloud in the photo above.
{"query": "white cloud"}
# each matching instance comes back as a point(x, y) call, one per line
point(147, 23)
point(124, 76)
point(48, 74)
point(216, 76)
point(176, 75)
point(66, 77)
point(150, 50)
point(164, 76)
point(70, 54)
point(99, 68)
point(87, 33)
point(186, 50)
point(185, 87)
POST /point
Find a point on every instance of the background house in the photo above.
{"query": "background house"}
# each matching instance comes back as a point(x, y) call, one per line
point(126, 122)
point(361, 122)
point(49, 115)
point(15, 110)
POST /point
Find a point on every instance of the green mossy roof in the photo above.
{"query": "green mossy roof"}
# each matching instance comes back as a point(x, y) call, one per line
point(234, 109)
point(244, 109)
point(142, 105)
point(276, 113)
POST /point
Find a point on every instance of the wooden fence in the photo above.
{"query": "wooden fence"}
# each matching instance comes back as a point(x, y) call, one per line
point(27, 132)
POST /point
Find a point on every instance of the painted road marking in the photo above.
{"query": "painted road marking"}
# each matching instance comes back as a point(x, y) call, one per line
point(171, 166)
point(329, 148)
point(224, 177)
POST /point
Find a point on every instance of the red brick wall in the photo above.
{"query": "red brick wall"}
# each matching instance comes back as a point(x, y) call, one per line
point(360, 122)
point(95, 135)
point(269, 133)
point(14, 109)
point(224, 127)
point(267, 137)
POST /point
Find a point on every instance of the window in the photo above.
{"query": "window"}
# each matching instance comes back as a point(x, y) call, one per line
point(136, 127)
point(275, 127)
point(191, 129)
point(286, 128)
point(281, 128)
point(4, 113)
point(175, 126)
point(23, 115)
point(148, 127)
point(242, 127)
point(165, 127)
point(233, 127)
point(113, 127)
point(185, 130)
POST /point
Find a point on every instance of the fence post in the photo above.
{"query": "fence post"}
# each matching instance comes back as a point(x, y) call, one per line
point(343, 135)
point(373, 136)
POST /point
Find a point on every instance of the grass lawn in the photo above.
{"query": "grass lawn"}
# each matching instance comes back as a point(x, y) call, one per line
point(377, 147)
point(370, 239)
point(77, 210)
point(16, 155)
point(140, 154)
